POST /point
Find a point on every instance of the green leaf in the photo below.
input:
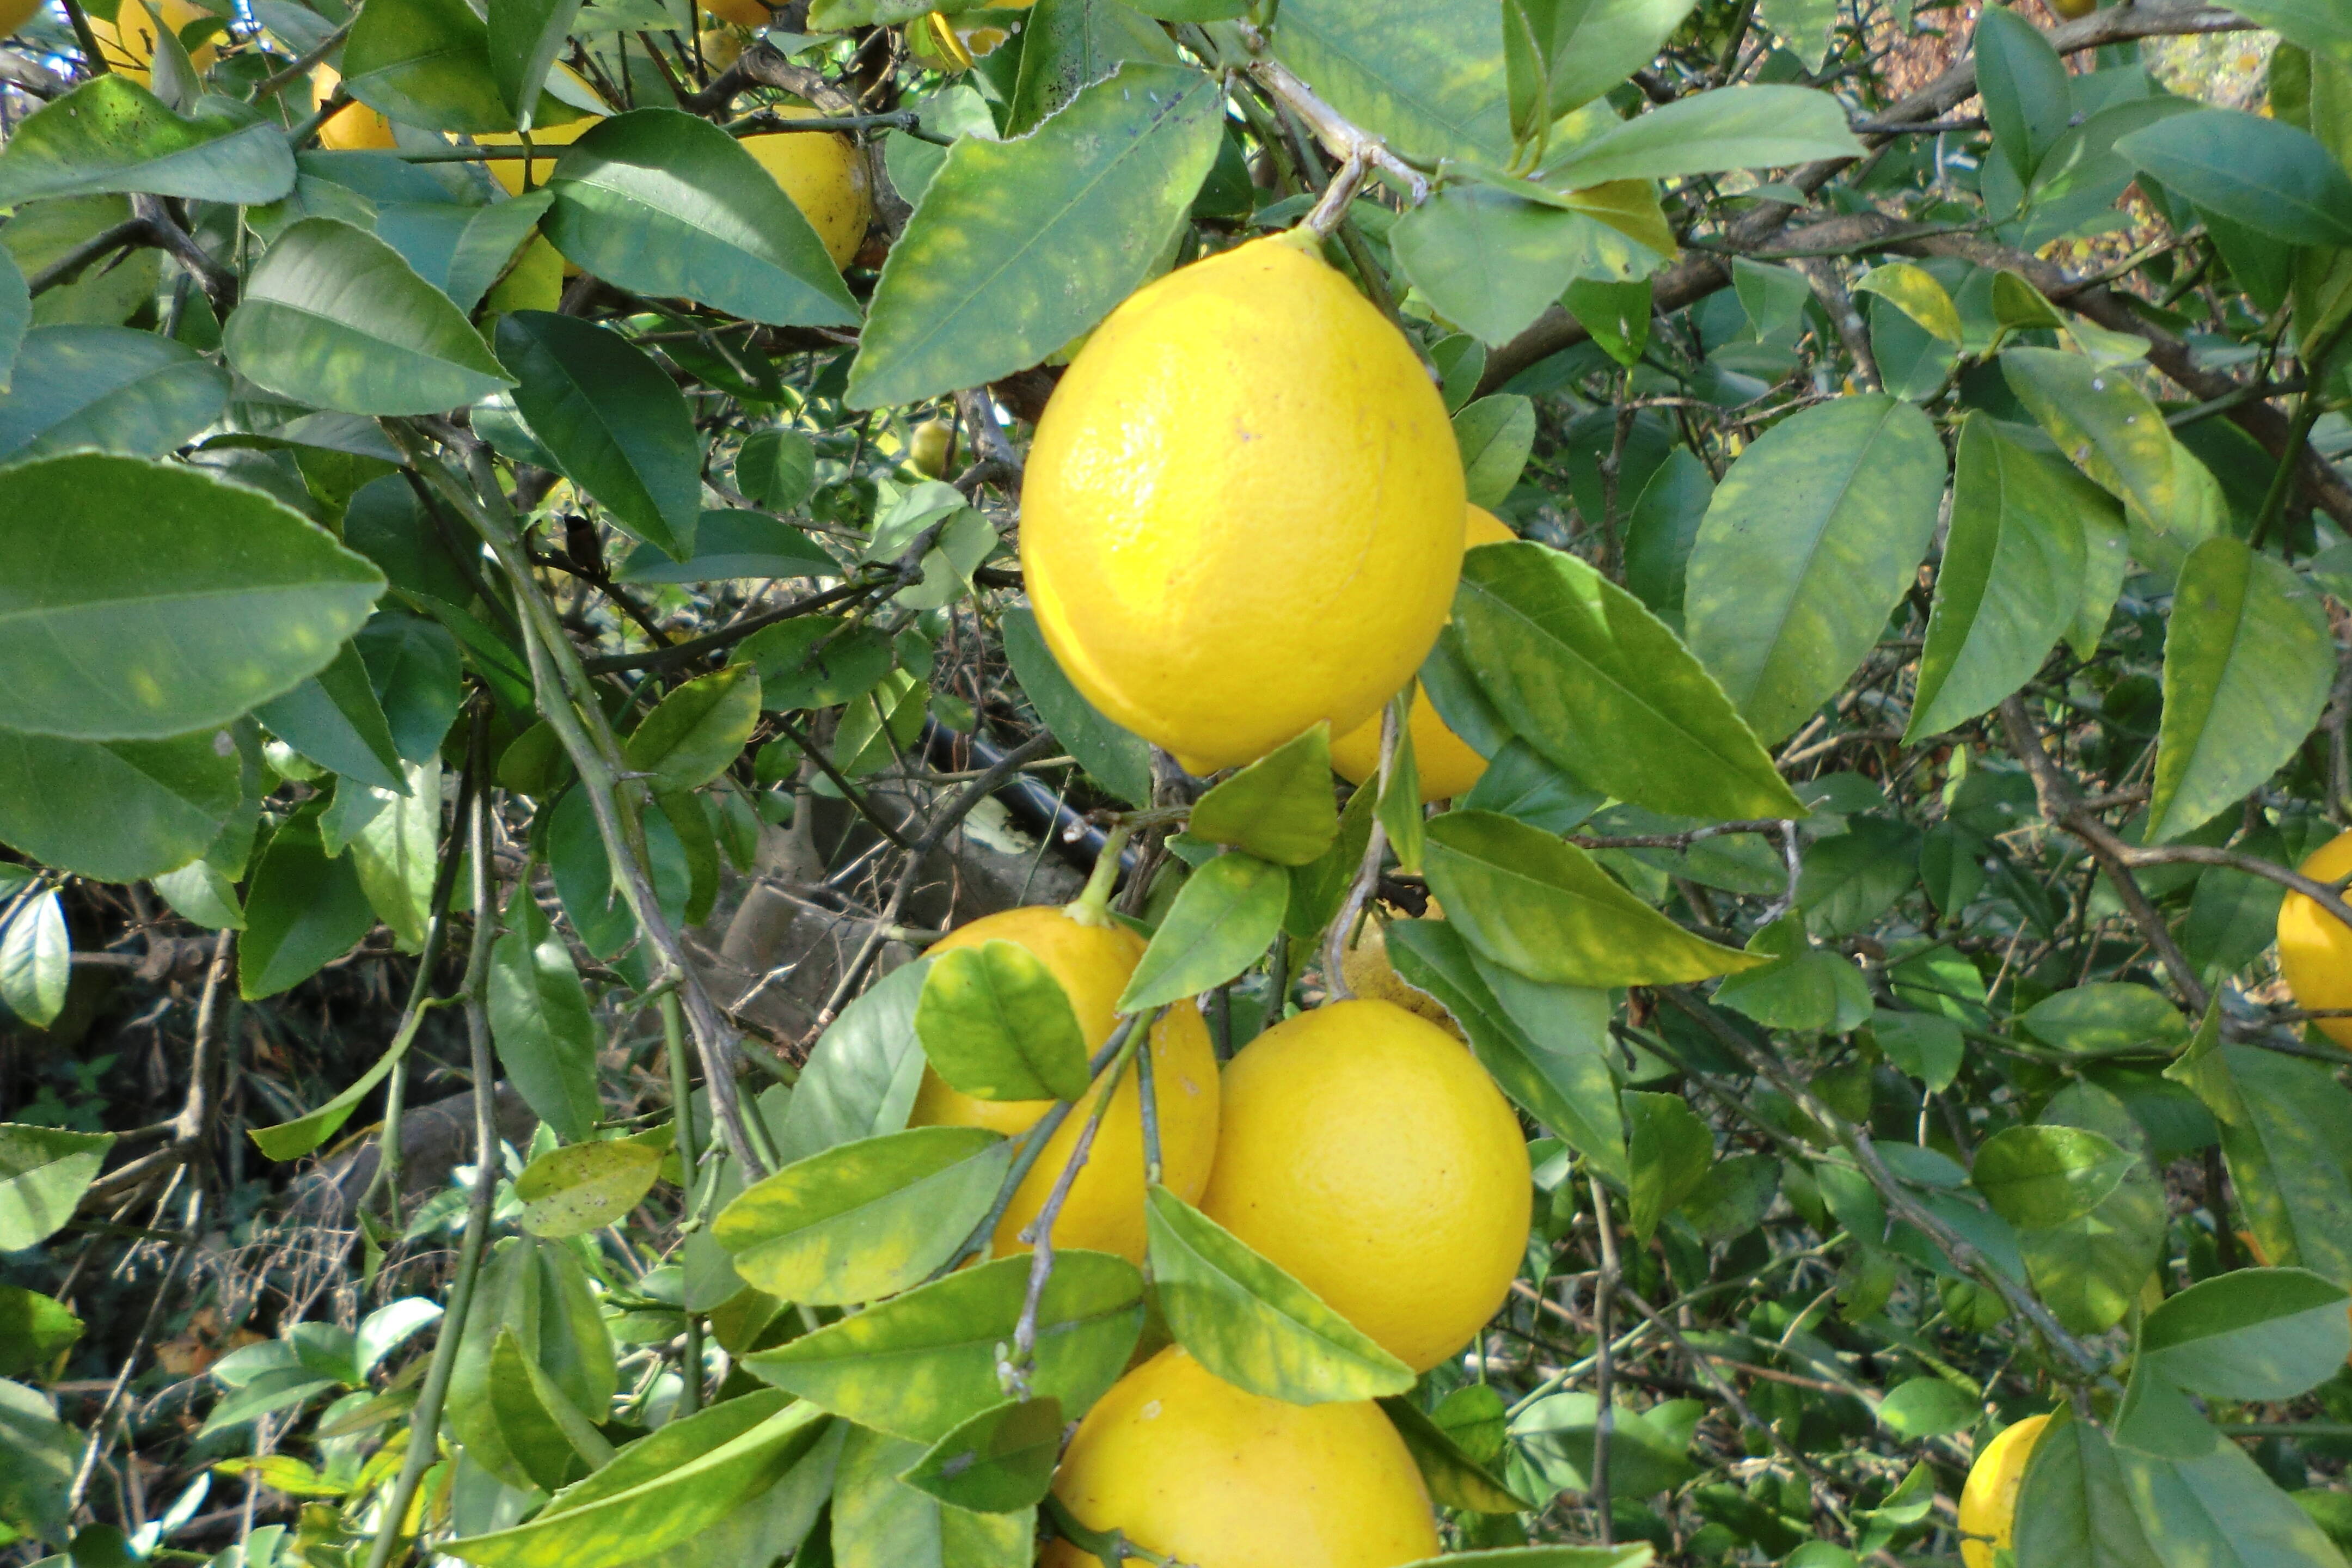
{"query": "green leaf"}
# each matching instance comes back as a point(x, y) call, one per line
point(1019, 247)
point(613, 419)
point(33, 1329)
point(1668, 1150)
point(2074, 1506)
point(866, 1219)
point(662, 1489)
point(302, 910)
point(113, 134)
point(427, 63)
point(2011, 583)
point(44, 1171)
point(1915, 291)
point(1546, 1046)
point(880, 1521)
point(1545, 910)
point(1733, 1197)
point(1850, 879)
point(106, 387)
point(1925, 1407)
point(2248, 663)
point(2023, 83)
point(16, 314)
point(2106, 426)
point(2108, 1018)
point(861, 1079)
point(523, 38)
point(1491, 261)
point(580, 1187)
point(335, 318)
point(1587, 46)
point(545, 1434)
point(2040, 1177)
point(732, 544)
point(1598, 685)
point(397, 854)
point(662, 204)
point(2256, 1333)
point(118, 810)
point(1710, 133)
point(413, 665)
point(995, 1022)
point(1928, 1048)
point(1070, 45)
point(2269, 175)
point(1812, 540)
point(919, 1365)
point(999, 1461)
point(536, 1294)
point(777, 469)
point(1804, 987)
point(1616, 315)
point(2214, 1506)
point(1251, 1324)
point(1453, 1477)
point(816, 661)
point(1224, 917)
point(1496, 435)
point(1428, 78)
point(693, 735)
point(151, 600)
point(1114, 758)
point(1279, 807)
point(333, 719)
point(2285, 1126)
point(36, 961)
point(2090, 1269)
point(539, 1016)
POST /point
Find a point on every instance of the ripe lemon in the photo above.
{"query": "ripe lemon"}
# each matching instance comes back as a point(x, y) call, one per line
point(128, 42)
point(1444, 762)
point(507, 171)
point(1370, 975)
point(743, 13)
point(1242, 511)
point(2315, 948)
point(354, 128)
point(825, 177)
point(1210, 1474)
point(721, 46)
point(535, 282)
point(1365, 1151)
point(1989, 1499)
point(1105, 1209)
point(14, 14)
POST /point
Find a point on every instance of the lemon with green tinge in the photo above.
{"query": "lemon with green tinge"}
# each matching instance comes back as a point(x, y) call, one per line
point(354, 128)
point(2315, 948)
point(1443, 760)
point(824, 173)
point(1243, 509)
point(1209, 1474)
point(1365, 1152)
point(128, 41)
point(1105, 1209)
point(1989, 1498)
point(1372, 975)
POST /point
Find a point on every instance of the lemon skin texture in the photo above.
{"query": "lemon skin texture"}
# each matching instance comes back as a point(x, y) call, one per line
point(129, 41)
point(2315, 948)
point(354, 128)
point(1444, 761)
point(1364, 1150)
point(1216, 1477)
point(826, 178)
point(507, 171)
point(1242, 511)
point(1989, 1499)
point(14, 14)
point(1105, 1209)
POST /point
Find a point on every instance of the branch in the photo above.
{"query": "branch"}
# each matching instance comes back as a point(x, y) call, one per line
point(762, 65)
point(304, 64)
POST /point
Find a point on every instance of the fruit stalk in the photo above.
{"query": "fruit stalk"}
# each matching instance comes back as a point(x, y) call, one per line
point(1367, 871)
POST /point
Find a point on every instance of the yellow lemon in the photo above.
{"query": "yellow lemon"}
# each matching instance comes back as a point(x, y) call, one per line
point(2070, 9)
point(1369, 973)
point(721, 46)
point(535, 282)
point(743, 13)
point(14, 14)
point(1105, 1209)
point(1365, 1151)
point(825, 174)
point(1207, 1474)
point(1989, 1499)
point(2315, 948)
point(1242, 511)
point(128, 42)
point(1444, 762)
point(507, 171)
point(354, 128)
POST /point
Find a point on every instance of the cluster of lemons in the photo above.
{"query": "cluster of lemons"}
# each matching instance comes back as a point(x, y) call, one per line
point(1226, 435)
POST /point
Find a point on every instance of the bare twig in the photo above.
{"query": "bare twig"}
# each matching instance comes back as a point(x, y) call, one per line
point(1368, 869)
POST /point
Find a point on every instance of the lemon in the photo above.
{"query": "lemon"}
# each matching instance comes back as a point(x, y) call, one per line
point(721, 46)
point(14, 14)
point(2315, 948)
point(128, 42)
point(2070, 9)
point(507, 171)
point(1365, 1151)
point(1209, 1474)
point(743, 13)
point(354, 128)
point(1105, 1209)
point(535, 282)
point(1444, 762)
point(1372, 977)
point(1989, 1499)
point(926, 449)
point(1242, 511)
point(825, 177)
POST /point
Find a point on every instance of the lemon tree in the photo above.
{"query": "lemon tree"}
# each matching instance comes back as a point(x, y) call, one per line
point(1329, 784)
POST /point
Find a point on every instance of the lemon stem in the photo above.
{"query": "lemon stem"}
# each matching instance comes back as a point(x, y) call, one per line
point(1092, 906)
point(1367, 871)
